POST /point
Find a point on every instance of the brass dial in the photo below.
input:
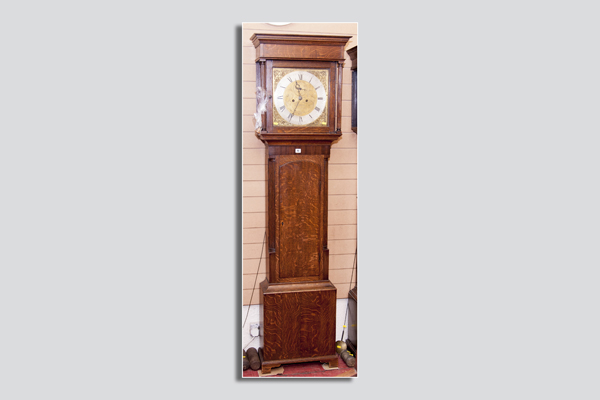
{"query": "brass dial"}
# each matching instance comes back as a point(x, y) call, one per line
point(300, 98)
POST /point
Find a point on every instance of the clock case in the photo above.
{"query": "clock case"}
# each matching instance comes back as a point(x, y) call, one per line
point(298, 312)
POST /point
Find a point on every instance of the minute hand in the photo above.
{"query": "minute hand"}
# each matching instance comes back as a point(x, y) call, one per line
point(294, 112)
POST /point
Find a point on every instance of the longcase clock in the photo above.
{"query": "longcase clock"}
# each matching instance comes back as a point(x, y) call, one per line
point(302, 76)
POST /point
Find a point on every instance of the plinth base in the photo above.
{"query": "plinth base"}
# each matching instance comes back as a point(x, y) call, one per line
point(298, 322)
point(266, 366)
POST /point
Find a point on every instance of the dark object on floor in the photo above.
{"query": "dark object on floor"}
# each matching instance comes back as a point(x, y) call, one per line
point(245, 361)
point(352, 341)
point(348, 359)
point(252, 354)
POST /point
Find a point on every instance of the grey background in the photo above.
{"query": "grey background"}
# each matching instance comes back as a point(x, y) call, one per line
point(478, 199)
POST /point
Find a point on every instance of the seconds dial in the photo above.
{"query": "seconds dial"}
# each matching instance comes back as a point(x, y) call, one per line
point(300, 97)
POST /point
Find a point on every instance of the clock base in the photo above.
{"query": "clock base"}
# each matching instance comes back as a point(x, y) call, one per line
point(266, 366)
point(298, 323)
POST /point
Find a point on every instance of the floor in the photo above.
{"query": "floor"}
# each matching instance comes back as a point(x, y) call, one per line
point(309, 370)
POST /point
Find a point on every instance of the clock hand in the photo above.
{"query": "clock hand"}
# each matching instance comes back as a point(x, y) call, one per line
point(298, 88)
point(297, 104)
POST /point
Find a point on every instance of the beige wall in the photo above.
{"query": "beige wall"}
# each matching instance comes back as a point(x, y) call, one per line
point(342, 169)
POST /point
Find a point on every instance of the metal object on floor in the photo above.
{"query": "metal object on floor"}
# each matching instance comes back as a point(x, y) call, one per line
point(340, 346)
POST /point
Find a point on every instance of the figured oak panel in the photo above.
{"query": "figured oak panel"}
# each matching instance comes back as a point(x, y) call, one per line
point(297, 324)
point(300, 215)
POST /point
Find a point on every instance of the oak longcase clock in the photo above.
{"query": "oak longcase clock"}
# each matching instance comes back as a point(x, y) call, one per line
point(302, 77)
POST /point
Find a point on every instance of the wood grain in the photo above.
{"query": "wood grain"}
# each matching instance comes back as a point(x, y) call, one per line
point(299, 47)
point(297, 324)
point(300, 215)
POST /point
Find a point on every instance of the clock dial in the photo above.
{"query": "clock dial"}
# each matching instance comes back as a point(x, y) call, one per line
point(300, 97)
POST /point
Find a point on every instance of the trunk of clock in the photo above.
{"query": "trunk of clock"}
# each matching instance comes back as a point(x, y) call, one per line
point(298, 312)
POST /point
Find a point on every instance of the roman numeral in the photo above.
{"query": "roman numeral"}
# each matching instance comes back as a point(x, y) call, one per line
point(282, 108)
point(317, 108)
point(280, 97)
point(319, 98)
point(300, 119)
point(300, 76)
point(290, 116)
point(289, 79)
point(317, 87)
